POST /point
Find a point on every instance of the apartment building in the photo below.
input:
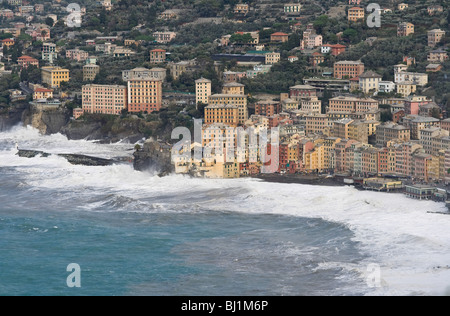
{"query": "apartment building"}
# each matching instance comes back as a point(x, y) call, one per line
point(348, 69)
point(144, 95)
point(53, 76)
point(202, 90)
point(104, 99)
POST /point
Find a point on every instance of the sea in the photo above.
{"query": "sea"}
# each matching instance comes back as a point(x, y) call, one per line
point(134, 233)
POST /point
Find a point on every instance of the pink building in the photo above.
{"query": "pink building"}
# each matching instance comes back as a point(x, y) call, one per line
point(403, 157)
point(341, 150)
point(421, 163)
point(77, 54)
point(302, 92)
point(104, 99)
point(413, 103)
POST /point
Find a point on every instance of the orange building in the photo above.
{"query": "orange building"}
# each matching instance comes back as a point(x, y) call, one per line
point(8, 42)
point(144, 95)
point(222, 113)
point(279, 37)
point(348, 69)
point(355, 14)
point(157, 56)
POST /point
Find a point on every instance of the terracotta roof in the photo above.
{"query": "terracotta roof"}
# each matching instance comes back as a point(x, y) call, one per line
point(158, 50)
point(279, 34)
point(42, 90)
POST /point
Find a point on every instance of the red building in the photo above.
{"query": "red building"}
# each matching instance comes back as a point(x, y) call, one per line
point(301, 92)
point(397, 115)
point(279, 37)
point(337, 49)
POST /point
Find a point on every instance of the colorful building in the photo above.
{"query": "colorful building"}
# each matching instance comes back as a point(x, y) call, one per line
point(144, 95)
point(104, 99)
point(53, 76)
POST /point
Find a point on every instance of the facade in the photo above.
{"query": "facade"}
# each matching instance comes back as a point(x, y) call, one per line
point(233, 76)
point(177, 69)
point(405, 29)
point(49, 52)
point(53, 76)
point(406, 88)
point(355, 14)
point(241, 8)
point(386, 86)
point(144, 73)
point(311, 104)
point(292, 8)
point(348, 69)
point(435, 36)
point(420, 79)
point(157, 56)
point(434, 67)
point(316, 123)
point(316, 59)
point(90, 71)
point(25, 61)
point(402, 6)
point(272, 58)
point(413, 104)
point(437, 56)
point(435, 9)
point(164, 37)
point(417, 123)
point(267, 108)
point(77, 54)
point(222, 113)
point(144, 95)
point(104, 99)
point(299, 92)
point(390, 131)
point(238, 100)
point(202, 90)
point(279, 37)
point(352, 104)
point(369, 82)
point(42, 93)
point(233, 88)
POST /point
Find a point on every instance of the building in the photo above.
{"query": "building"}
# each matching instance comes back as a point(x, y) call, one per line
point(402, 6)
point(202, 90)
point(435, 36)
point(90, 71)
point(437, 56)
point(405, 29)
point(417, 123)
point(144, 95)
point(413, 104)
point(352, 104)
point(348, 69)
point(420, 191)
point(311, 39)
point(420, 79)
point(77, 113)
point(53, 76)
point(340, 128)
point(272, 58)
point(355, 14)
point(49, 52)
point(77, 54)
point(390, 131)
point(222, 113)
point(106, 48)
point(144, 73)
point(311, 105)
point(290, 105)
point(334, 49)
point(104, 99)
point(434, 139)
point(292, 59)
point(292, 8)
point(177, 69)
point(238, 100)
point(164, 37)
point(386, 86)
point(122, 52)
point(369, 82)
point(434, 67)
point(258, 70)
point(25, 61)
point(157, 56)
point(406, 88)
point(316, 59)
point(241, 9)
point(331, 85)
point(170, 14)
point(316, 123)
point(233, 88)
point(233, 76)
point(42, 93)
point(279, 37)
point(8, 42)
point(435, 9)
point(445, 124)
point(299, 92)
point(430, 109)
point(267, 108)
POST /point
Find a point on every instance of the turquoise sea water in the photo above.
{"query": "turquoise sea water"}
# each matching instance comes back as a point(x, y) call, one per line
point(137, 234)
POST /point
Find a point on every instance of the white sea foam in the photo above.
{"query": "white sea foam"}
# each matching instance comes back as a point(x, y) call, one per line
point(411, 246)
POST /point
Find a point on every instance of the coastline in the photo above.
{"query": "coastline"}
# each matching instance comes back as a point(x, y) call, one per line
point(300, 179)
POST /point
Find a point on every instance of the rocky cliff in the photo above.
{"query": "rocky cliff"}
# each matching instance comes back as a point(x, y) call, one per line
point(10, 117)
point(46, 120)
point(156, 156)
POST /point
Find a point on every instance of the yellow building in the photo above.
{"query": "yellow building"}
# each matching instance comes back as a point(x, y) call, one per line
point(42, 93)
point(233, 88)
point(355, 14)
point(406, 88)
point(402, 6)
point(368, 82)
point(272, 58)
point(53, 76)
point(202, 90)
point(314, 160)
point(232, 99)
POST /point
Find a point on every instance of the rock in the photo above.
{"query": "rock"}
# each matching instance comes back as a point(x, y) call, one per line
point(47, 121)
point(72, 158)
point(155, 155)
point(12, 116)
point(31, 153)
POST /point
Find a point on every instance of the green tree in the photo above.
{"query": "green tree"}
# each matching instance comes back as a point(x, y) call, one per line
point(49, 21)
